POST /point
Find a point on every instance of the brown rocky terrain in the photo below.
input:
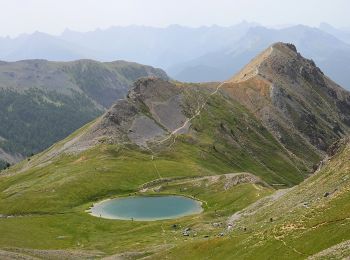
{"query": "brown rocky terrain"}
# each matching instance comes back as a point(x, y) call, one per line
point(303, 108)
point(152, 110)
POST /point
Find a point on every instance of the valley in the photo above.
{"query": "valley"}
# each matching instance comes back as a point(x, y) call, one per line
point(265, 152)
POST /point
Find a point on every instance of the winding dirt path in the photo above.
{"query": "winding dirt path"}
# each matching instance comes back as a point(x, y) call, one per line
point(198, 112)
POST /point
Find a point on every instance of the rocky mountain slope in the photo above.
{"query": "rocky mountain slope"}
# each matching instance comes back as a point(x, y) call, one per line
point(228, 144)
point(42, 102)
point(302, 107)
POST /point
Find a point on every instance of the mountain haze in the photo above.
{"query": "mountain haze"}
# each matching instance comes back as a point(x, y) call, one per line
point(208, 53)
point(341, 34)
point(39, 46)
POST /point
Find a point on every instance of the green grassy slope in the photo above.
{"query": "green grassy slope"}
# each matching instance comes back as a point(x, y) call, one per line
point(45, 192)
point(311, 217)
point(50, 202)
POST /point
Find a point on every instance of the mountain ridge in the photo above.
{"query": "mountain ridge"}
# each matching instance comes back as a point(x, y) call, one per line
point(289, 95)
point(44, 101)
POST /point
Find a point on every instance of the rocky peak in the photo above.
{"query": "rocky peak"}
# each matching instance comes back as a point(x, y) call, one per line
point(282, 45)
point(293, 98)
point(281, 61)
point(286, 62)
point(291, 46)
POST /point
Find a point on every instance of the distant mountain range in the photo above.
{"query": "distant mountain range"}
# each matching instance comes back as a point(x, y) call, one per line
point(161, 47)
point(330, 53)
point(342, 34)
point(187, 54)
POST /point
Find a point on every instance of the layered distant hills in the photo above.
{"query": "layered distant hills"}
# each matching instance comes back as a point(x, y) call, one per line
point(41, 102)
point(187, 54)
point(161, 47)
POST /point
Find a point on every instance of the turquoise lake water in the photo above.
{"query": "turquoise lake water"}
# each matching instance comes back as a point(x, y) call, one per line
point(146, 208)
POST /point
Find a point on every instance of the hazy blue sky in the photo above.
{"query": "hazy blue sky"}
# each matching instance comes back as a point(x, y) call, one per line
point(53, 16)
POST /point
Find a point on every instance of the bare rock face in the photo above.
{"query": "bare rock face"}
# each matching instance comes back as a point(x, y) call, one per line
point(144, 129)
point(293, 98)
point(151, 111)
point(162, 99)
point(155, 106)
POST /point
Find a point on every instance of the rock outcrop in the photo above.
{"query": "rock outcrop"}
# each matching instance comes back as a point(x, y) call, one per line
point(152, 110)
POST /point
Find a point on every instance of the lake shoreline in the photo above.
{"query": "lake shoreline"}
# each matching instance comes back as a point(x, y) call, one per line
point(101, 209)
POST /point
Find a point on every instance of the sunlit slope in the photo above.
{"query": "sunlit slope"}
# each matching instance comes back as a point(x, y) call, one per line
point(311, 217)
